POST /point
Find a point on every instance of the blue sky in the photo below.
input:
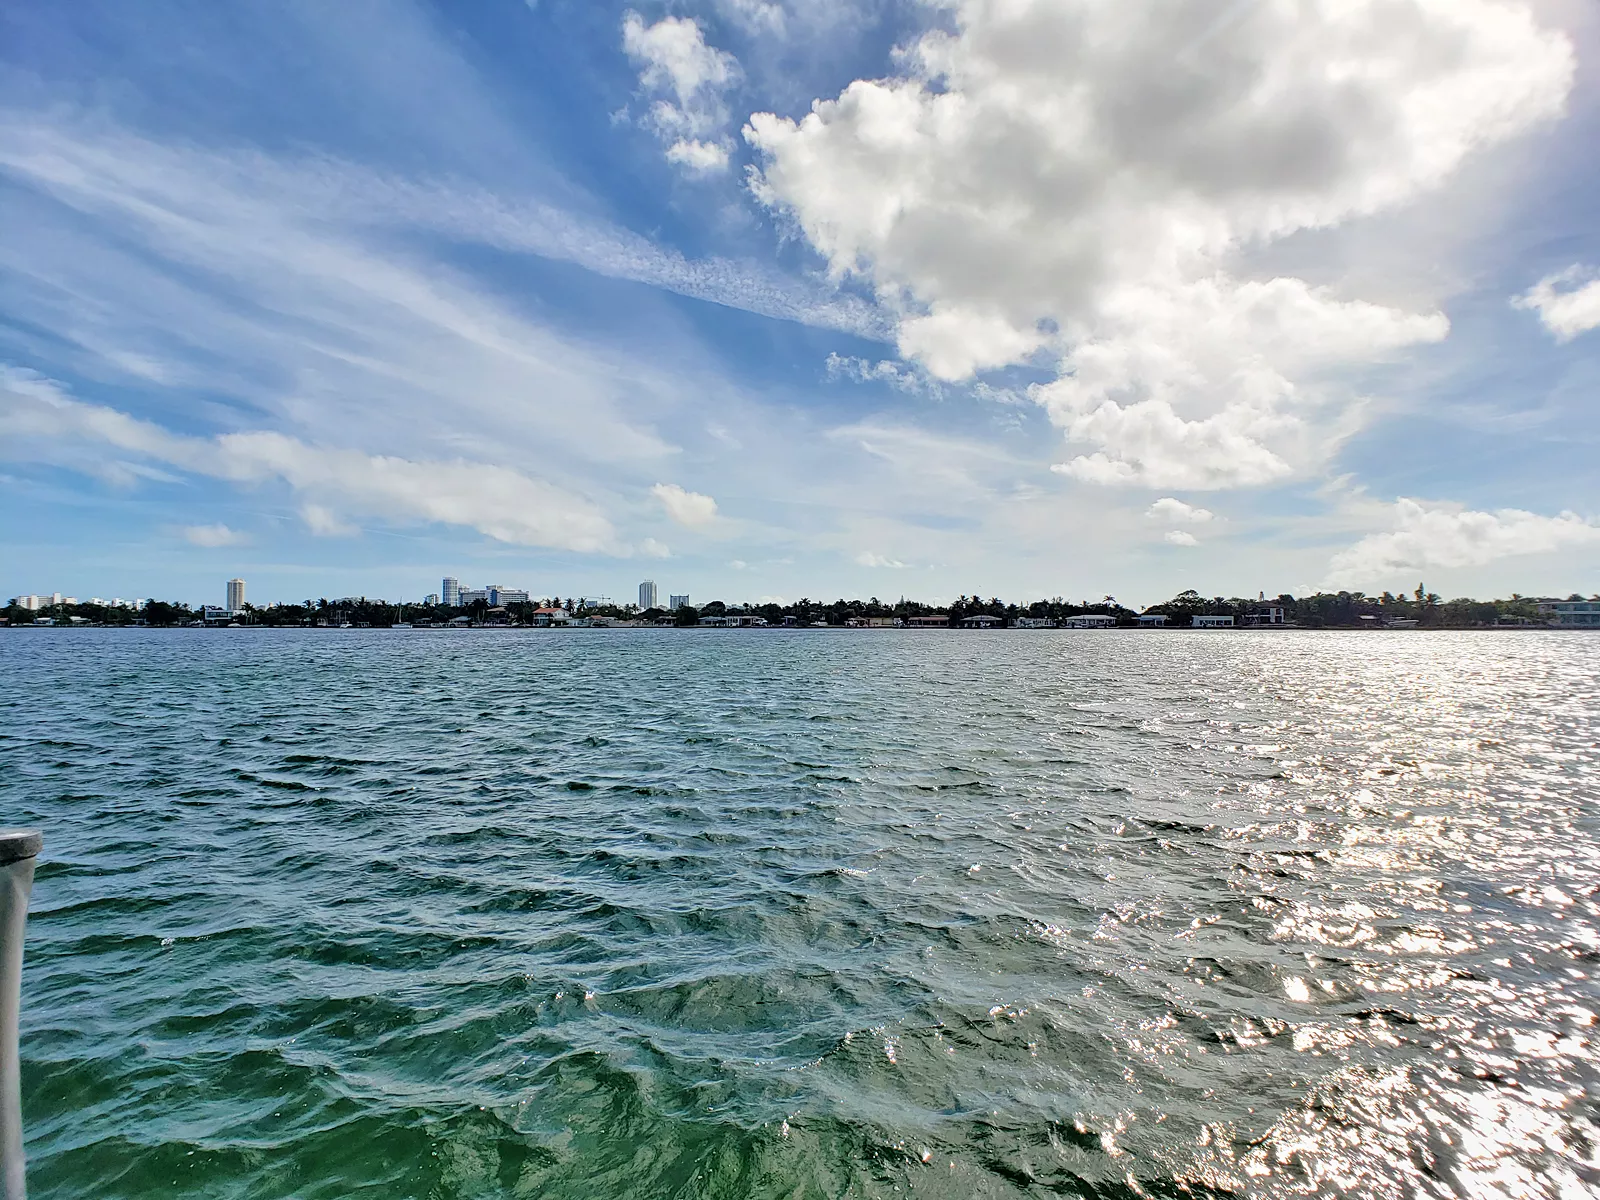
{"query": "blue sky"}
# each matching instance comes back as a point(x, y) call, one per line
point(1043, 299)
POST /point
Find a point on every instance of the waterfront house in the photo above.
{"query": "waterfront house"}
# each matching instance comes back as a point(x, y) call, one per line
point(1266, 615)
point(1089, 621)
point(928, 622)
point(1213, 621)
point(1153, 621)
point(1034, 623)
point(1571, 614)
point(981, 621)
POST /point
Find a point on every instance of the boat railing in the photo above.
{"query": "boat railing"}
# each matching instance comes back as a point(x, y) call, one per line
point(18, 850)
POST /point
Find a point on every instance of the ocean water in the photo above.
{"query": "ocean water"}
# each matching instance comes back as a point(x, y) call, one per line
point(737, 914)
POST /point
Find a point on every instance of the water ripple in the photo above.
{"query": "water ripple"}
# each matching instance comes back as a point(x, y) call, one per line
point(676, 914)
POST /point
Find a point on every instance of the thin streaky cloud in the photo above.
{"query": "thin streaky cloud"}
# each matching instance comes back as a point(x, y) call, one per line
point(153, 178)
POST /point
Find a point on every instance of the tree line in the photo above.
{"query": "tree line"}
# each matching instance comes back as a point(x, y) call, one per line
point(1322, 610)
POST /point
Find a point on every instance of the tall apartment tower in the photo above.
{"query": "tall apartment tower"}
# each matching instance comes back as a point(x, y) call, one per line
point(677, 602)
point(451, 589)
point(647, 594)
point(235, 595)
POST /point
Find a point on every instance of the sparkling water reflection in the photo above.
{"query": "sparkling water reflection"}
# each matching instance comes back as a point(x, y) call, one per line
point(732, 914)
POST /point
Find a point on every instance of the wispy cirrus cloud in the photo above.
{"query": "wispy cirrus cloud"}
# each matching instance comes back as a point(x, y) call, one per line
point(501, 503)
point(230, 200)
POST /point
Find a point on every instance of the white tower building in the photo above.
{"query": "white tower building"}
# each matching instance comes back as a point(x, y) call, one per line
point(235, 595)
point(451, 589)
point(647, 594)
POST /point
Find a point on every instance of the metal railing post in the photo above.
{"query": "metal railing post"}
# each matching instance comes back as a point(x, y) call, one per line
point(18, 848)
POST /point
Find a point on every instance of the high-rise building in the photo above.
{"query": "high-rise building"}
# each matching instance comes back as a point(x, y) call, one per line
point(647, 594)
point(235, 595)
point(452, 592)
point(499, 594)
point(677, 602)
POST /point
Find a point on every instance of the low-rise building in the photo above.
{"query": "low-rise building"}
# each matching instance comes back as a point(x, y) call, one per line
point(1153, 621)
point(1213, 621)
point(1571, 614)
point(1034, 623)
point(1089, 621)
point(933, 621)
point(1265, 615)
point(981, 621)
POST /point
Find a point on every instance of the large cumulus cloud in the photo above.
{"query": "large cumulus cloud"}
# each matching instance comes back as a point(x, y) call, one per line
point(1074, 182)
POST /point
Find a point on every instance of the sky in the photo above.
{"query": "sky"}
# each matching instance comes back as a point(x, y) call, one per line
point(763, 299)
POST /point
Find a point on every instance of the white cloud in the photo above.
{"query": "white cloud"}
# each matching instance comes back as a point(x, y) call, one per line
point(212, 536)
point(1072, 179)
point(651, 548)
point(673, 57)
point(698, 156)
point(495, 500)
point(897, 376)
point(1565, 310)
point(1176, 512)
point(1179, 537)
point(308, 245)
point(868, 559)
point(684, 507)
point(324, 522)
point(757, 16)
point(1427, 536)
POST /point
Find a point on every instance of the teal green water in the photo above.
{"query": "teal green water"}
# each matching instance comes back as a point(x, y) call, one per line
point(816, 914)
